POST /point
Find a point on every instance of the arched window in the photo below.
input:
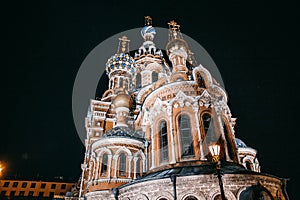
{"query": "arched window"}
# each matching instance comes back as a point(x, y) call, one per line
point(248, 165)
point(190, 198)
point(104, 164)
point(154, 76)
point(218, 197)
point(122, 164)
point(229, 144)
point(139, 167)
point(163, 133)
point(120, 82)
point(138, 80)
point(187, 147)
point(208, 126)
point(200, 81)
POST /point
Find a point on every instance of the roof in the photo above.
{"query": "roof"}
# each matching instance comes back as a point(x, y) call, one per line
point(124, 131)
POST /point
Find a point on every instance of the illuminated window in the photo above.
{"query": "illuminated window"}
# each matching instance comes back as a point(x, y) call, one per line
point(122, 164)
point(163, 132)
point(187, 147)
point(104, 164)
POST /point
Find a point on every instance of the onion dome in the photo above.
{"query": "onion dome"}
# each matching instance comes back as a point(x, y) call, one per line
point(122, 61)
point(126, 132)
point(122, 100)
point(239, 143)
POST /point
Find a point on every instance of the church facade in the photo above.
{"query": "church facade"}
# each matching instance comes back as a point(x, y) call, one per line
point(148, 136)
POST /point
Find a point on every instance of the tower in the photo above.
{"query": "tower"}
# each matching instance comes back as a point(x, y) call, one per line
point(148, 136)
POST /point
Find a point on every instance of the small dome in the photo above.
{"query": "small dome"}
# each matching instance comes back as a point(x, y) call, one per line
point(239, 143)
point(148, 31)
point(122, 61)
point(122, 100)
point(123, 131)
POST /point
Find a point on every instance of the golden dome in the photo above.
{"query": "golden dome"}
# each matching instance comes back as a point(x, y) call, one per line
point(122, 100)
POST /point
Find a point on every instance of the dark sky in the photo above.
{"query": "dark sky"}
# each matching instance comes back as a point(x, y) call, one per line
point(44, 44)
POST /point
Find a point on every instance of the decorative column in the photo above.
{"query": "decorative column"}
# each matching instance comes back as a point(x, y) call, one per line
point(196, 109)
point(115, 158)
point(134, 166)
point(129, 166)
point(109, 163)
point(97, 168)
point(169, 111)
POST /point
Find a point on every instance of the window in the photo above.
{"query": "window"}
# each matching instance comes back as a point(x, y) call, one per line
point(6, 184)
point(15, 184)
point(51, 195)
point(24, 184)
point(43, 185)
point(248, 165)
point(41, 194)
point(12, 193)
point(30, 193)
point(21, 193)
point(190, 198)
point(218, 197)
point(200, 81)
point(208, 126)
point(121, 82)
point(63, 186)
point(139, 167)
point(187, 147)
point(32, 185)
point(122, 165)
point(154, 76)
point(104, 164)
point(138, 80)
point(229, 144)
point(163, 132)
point(53, 186)
point(3, 192)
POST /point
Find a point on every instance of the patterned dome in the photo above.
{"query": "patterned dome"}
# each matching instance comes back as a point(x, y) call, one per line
point(239, 143)
point(148, 30)
point(122, 61)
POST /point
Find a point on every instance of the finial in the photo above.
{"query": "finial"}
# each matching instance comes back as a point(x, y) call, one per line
point(148, 21)
point(174, 28)
point(124, 44)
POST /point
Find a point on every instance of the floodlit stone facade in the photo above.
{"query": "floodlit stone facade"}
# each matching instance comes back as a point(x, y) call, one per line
point(148, 136)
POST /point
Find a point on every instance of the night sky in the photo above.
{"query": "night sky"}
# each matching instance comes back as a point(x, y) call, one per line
point(44, 44)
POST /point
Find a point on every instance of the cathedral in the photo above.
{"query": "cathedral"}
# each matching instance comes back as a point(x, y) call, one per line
point(152, 134)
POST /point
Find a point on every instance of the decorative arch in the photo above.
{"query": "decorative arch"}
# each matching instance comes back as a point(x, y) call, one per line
point(254, 192)
point(216, 191)
point(128, 158)
point(108, 93)
point(103, 150)
point(194, 192)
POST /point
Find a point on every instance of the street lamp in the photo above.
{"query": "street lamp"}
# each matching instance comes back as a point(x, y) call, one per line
point(215, 152)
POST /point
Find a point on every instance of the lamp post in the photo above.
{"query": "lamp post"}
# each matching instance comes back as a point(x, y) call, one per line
point(215, 152)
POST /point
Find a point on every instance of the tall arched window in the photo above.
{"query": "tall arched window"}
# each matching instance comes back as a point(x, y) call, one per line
point(138, 80)
point(200, 81)
point(122, 164)
point(154, 76)
point(120, 82)
point(187, 147)
point(104, 164)
point(139, 167)
point(229, 144)
point(163, 133)
point(208, 126)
